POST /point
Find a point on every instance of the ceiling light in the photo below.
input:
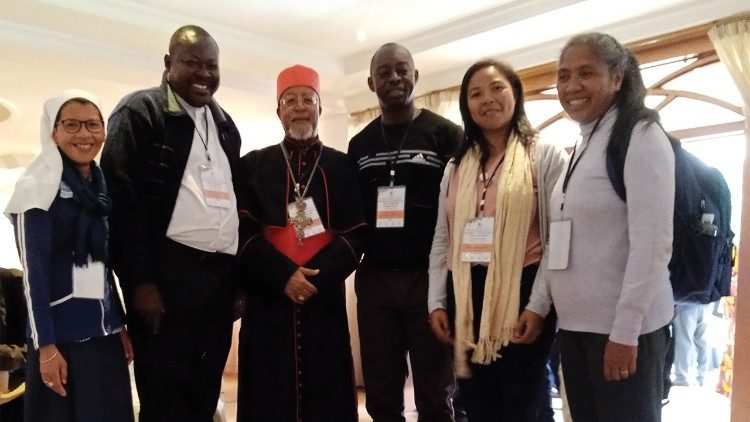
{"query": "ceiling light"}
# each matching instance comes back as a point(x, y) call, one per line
point(361, 35)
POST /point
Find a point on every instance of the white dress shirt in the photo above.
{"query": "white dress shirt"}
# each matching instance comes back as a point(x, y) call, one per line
point(195, 223)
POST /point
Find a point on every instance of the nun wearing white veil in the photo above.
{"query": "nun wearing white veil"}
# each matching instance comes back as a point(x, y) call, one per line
point(78, 348)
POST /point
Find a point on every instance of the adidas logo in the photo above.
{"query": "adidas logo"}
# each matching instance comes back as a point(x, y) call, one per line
point(418, 157)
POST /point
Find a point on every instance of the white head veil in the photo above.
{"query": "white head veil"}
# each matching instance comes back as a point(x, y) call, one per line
point(38, 185)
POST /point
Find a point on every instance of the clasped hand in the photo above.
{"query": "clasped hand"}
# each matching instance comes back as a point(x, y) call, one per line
point(297, 288)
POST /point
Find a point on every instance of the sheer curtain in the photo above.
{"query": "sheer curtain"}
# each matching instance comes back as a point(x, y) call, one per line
point(444, 103)
point(732, 43)
point(731, 39)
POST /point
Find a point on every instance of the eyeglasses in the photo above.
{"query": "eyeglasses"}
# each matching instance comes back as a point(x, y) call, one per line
point(74, 125)
point(293, 100)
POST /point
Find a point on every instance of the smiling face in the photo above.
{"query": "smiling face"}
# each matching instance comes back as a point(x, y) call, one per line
point(585, 85)
point(193, 70)
point(490, 100)
point(299, 116)
point(392, 77)
point(82, 146)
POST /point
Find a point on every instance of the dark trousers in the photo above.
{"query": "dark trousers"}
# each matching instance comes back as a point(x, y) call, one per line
point(178, 370)
point(393, 320)
point(513, 388)
point(592, 399)
point(98, 387)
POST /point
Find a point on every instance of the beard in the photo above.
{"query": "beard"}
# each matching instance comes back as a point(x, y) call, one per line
point(302, 131)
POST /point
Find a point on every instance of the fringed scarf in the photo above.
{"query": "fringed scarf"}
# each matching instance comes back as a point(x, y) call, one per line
point(91, 228)
point(514, 206)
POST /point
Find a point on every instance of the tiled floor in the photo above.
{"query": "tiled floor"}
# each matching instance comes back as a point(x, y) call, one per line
point(687, 404)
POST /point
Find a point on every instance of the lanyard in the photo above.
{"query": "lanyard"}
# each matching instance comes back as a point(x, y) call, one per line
point(204, 141)
point(573, 164)
point(392, 161)
point(486, 183)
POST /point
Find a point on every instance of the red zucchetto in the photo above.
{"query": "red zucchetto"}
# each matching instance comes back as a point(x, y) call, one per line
point(297, 75)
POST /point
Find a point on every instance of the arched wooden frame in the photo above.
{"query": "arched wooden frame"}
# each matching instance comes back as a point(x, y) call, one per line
point(692, 43)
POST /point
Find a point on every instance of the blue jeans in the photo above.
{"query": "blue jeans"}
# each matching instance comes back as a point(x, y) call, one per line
point(690, 324)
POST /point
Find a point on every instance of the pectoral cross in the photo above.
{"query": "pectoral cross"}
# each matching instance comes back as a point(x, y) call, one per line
point(300, 220)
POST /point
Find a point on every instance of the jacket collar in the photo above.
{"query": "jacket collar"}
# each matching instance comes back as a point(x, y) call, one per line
point(172, 106)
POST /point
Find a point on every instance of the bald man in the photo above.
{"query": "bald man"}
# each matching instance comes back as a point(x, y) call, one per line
point(170, 161)
point(400, 157)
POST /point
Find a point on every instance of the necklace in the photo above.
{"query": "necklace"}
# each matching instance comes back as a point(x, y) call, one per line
point(392, 161)
point(486, 183)
point(300, 220)
point(206, 166)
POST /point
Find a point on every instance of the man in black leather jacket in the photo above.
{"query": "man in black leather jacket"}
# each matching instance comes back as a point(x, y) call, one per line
point(170, 164)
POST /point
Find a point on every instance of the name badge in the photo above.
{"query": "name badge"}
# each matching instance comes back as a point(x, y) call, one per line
point(476, 245)
point(306, 217)
point(215, 189)
point(88, 282)
point(391, 207)
point(559, 244)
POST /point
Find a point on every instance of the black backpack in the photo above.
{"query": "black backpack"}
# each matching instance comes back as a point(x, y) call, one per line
point(702, 250)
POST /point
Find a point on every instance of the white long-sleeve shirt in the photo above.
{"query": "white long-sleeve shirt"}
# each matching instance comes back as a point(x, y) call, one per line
point(617, 280)
point(195, 223)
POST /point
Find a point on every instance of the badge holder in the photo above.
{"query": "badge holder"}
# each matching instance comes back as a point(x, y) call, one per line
point(559, 244)
point(391, 207)
point(214, 186)
point(476, 245)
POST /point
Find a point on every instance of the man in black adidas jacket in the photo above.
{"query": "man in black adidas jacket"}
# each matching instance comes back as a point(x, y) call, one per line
point(401, 157)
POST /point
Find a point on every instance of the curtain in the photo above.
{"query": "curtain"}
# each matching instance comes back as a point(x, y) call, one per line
point(360, 119)
point(731, 39)
point(732, 43)
point(444, 103)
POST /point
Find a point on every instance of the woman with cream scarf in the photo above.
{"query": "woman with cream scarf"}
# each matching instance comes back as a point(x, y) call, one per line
point(487, 246)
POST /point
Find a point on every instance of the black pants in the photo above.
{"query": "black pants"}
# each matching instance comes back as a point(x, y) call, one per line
point(98, 387)
point(592, 399)
point(393, 320)
point(178, 371)
point(514, 387)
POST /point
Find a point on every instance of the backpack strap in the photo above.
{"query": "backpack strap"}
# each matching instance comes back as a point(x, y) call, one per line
point(615, 159)
point(615, 162)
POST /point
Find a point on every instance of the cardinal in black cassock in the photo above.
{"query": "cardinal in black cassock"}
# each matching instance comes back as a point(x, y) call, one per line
point(301, 226)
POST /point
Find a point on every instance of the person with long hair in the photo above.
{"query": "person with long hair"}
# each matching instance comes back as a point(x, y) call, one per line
point(487, 247)
point(606, 264)
point(78, 348)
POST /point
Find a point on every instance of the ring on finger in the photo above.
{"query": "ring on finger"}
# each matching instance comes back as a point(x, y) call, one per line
point(624, 372)
point(49, 383)
point(301, 298)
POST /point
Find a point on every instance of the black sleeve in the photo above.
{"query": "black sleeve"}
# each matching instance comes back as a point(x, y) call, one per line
point(131, 249)
point(454, 137)
point(336, 261)
point(340, 257)
point(262, 269)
